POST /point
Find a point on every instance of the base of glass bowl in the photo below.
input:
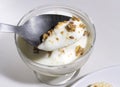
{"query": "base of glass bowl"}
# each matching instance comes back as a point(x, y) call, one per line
point(57, 80)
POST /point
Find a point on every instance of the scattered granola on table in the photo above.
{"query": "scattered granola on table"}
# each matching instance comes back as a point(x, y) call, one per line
point(100, 84)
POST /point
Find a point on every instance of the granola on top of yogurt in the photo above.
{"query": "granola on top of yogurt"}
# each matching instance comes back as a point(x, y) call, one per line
point(64, 34)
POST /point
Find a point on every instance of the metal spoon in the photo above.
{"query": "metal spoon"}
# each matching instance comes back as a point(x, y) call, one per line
point(34, 28)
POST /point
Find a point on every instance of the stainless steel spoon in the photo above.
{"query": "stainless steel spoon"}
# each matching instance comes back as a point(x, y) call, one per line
point(33, 29)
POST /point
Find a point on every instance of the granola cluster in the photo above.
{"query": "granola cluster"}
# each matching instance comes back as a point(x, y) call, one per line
point(45, 35)
point(61, 50)
point(71, 37)
point(70, 27)
point(79, 51)
point(86, 33)
point(75, 18)
point(82, 26)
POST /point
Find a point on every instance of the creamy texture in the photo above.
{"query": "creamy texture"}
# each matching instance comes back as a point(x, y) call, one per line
point(61, 37)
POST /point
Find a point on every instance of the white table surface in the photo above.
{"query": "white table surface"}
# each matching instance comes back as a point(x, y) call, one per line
point(106, 17)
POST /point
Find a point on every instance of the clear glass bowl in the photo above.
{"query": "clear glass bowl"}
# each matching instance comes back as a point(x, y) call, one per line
point(56, 75)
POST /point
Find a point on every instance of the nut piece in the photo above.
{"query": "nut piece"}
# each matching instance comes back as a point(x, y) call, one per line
point(50, 32)
point(45, 36)
point(57, 38)
point(82, 26)
point(71, 37)
point(61, 50)
point(75, 18)
point(79, 51)
point(70, 27)
point(86, 33)
point(62, 32)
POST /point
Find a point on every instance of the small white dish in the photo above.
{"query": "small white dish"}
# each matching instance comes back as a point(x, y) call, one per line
point(110, 75)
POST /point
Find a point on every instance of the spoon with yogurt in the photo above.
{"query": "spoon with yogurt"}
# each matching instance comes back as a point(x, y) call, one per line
point(34, 28)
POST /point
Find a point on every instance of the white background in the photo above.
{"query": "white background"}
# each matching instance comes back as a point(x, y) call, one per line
point(106, 17)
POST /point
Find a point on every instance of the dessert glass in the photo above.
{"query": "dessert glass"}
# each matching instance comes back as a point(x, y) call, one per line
point(61, 74)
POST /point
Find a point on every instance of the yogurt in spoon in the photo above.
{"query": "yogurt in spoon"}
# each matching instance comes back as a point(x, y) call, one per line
point(64, 34)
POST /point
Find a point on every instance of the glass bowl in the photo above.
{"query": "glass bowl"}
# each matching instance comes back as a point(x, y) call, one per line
point(61, 74)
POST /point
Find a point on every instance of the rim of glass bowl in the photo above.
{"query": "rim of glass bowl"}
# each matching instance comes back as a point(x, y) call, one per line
point(74, 11)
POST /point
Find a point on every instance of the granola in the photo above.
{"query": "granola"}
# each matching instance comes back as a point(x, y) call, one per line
point(100, 84)
point(70, 27)
point(79, 51)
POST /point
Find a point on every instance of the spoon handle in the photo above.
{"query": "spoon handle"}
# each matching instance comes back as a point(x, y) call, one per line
point(6, 28)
